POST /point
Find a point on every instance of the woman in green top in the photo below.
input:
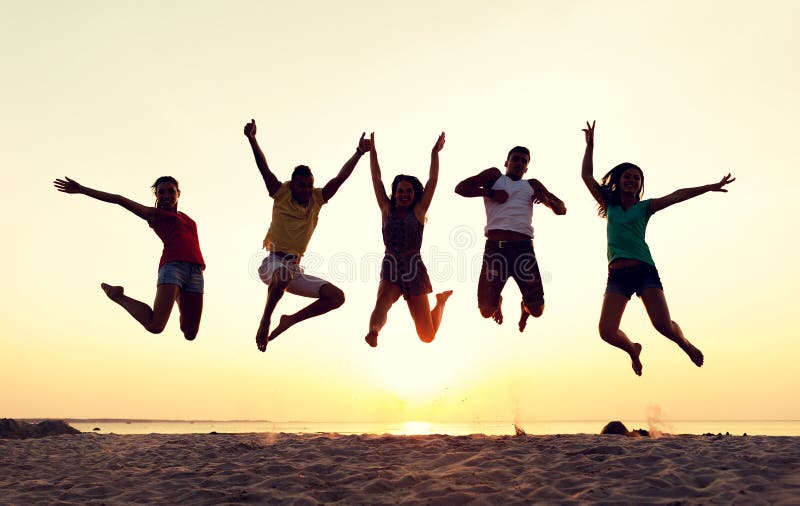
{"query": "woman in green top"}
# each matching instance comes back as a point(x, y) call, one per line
point(630, 265)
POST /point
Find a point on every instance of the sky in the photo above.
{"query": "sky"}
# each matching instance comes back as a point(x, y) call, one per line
point(115, 94)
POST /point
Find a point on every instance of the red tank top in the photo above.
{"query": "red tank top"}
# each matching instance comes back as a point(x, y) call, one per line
point(178, 232)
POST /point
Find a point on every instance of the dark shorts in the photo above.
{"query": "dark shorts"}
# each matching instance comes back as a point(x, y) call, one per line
point(632, 280)
point(408, 272)
point(507, 259)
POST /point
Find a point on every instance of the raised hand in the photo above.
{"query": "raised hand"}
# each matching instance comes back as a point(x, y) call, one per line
point(250, 129)
point(718, 187)
point(67, 185)
point(365, 145)
point(439, 144)
point(589, 133)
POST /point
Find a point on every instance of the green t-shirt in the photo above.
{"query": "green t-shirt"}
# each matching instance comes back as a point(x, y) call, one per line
point(625, 232)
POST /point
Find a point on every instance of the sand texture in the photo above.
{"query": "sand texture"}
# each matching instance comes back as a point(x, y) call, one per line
point(328, 468)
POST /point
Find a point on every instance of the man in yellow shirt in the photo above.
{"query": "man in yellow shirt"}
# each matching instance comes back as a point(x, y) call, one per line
point(295, 212)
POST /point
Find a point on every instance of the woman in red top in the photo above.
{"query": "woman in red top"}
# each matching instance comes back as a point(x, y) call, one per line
point(180, 272)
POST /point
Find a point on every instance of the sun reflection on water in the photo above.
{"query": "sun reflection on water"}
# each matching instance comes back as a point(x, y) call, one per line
point(415, 428)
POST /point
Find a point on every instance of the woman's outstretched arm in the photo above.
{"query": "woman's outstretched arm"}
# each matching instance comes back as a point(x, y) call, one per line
point(377, 181)
point(587, 168)
point(433, 176)
point(688, 193)
point(68, 185)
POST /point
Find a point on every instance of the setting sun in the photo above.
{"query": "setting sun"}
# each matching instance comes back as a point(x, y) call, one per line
point(416, 428)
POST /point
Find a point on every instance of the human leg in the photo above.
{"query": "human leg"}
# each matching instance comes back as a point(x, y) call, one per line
point(279, 280)
point(153, 320)
point(277, 275)
point(525, 271)
point(438, 309)
point(658, 311)
point(427, 320)
point(493, 277)
point(190, 305)
point(329, 298)
point(190, 301)
point(388, 293)
point(610, 318)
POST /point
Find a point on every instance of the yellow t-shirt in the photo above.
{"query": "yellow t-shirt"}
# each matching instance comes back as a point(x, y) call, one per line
point(292, 223)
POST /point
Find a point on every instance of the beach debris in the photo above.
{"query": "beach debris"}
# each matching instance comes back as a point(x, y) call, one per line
point(618, 428)
point(14, 429)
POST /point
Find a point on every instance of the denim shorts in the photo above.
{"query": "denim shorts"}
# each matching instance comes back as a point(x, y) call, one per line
point(187, 276)
point(630, 280)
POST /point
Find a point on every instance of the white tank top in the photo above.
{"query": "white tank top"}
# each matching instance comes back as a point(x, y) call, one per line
point(516, 213)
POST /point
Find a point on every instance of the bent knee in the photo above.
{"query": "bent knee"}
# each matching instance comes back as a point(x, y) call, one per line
point(535, 310)
point(426, 336)
point(664, 328)
point(156, 328)
point(608, 333)
point(333, 295)
point(486, 311)
point(190, 334)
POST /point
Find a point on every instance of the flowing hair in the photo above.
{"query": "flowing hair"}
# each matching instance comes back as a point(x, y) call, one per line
point(609, 187)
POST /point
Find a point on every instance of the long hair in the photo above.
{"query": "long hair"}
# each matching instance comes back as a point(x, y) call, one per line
point(415, 184)
point(610, 187)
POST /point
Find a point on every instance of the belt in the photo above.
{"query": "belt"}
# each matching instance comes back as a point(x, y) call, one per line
point(510, 244)
point(285, 256)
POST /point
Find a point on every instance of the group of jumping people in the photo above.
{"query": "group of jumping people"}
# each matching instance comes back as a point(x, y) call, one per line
point(508, 252)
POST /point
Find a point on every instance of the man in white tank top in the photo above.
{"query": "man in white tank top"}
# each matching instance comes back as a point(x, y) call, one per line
point(509, 251)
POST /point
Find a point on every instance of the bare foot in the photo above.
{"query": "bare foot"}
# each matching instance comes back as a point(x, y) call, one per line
point(635, 362)
point(283, 326)
point(694, 354)
point(113, 292)
point(498, 313)
point(372, 338)
point(261, 336)
point(523, 317)
point(441, 298)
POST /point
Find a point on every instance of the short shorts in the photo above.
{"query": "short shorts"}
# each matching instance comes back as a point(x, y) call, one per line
point(187, 276)
point(300, 283)
point(630, 280)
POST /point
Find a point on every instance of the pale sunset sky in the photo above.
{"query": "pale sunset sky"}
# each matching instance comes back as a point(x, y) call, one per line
point(117, 93)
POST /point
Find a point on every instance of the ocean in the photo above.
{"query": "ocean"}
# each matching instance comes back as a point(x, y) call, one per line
point(492, 428)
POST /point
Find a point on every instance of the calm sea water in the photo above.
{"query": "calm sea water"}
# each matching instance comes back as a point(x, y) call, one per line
point(734, 427)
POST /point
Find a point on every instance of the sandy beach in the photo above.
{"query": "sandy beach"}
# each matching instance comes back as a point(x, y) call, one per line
point(436, 469)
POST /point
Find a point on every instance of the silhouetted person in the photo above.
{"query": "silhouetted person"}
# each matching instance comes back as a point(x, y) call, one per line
point(295, 211)
point(631, 268)
point(508, 252)
point(402, 270)
point(180, 271)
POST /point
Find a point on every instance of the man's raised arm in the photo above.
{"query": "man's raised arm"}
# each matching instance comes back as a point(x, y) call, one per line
point(261, 161)
point(330, 189)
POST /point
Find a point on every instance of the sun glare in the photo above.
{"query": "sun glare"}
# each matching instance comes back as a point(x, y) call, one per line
point(416, 428)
